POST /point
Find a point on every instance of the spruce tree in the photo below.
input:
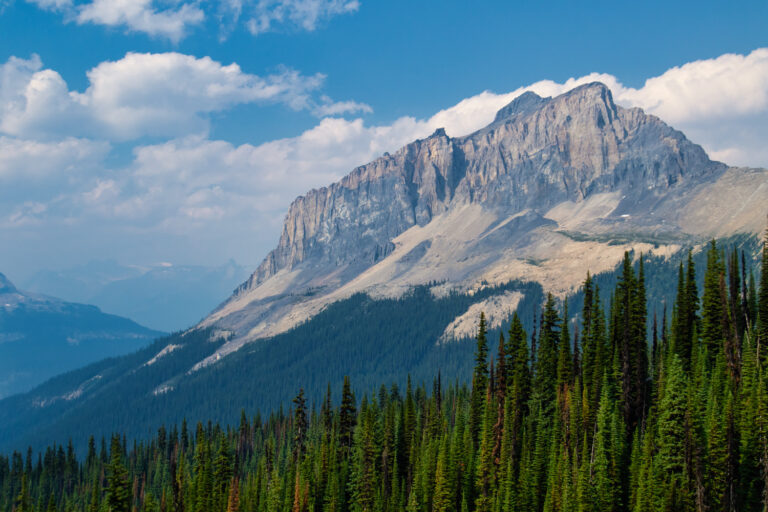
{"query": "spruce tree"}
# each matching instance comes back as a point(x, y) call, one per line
point(300, 425)
point(669, 471)
point(545, 378)
point(713, 308)
point(762, 304)
point(479, 379)
point(347, 416)
point(118, 492)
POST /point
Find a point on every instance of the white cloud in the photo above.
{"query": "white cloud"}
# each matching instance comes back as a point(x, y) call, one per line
point(303, 14)
point(327, 107)
point(162, 94)
point(29, 160)
point(141, 16)
point(720, 103)
point(135, 15)
point(173, 22)
point(214, 180)
point(214, 197)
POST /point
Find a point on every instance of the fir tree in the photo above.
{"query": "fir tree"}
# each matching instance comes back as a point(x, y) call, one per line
point(300, 425)
point(118, 492)
point(545, 379)
point(479, 380)
point(347, 419)
point(762, 304)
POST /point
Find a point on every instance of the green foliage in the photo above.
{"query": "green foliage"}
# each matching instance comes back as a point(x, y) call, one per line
point(590, 426)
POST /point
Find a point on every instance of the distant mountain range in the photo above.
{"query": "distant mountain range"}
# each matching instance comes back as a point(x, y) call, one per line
point(383, 273)
point(41, 336)
point(165, 297)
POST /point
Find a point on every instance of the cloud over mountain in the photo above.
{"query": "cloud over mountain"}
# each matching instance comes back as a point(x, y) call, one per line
point(187, 185)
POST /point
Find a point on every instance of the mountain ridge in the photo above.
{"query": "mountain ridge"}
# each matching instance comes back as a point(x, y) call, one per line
point(574, 163)
point(41, 336)
point(303, 220)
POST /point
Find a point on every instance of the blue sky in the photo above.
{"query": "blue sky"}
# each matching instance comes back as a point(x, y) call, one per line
point(180, 130)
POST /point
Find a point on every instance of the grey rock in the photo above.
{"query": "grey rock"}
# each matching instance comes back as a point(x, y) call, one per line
point(538, 152)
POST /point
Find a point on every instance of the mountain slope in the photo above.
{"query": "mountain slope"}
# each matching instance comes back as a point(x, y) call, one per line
point(41, 337)
point(552, 188)
point(165, 297)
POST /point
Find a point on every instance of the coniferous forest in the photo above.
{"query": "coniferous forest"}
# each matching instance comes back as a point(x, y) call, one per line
point(591, 411)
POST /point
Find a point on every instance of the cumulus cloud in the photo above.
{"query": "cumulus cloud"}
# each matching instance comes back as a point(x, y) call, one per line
point(29, 160)
point(162, 94)
point(304, 14)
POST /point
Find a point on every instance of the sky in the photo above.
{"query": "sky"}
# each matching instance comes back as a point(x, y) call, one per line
point(147, 131)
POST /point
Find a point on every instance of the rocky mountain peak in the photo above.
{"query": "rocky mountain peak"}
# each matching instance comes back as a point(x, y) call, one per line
point(440, 132)
point(538, 153)
point(523, 104)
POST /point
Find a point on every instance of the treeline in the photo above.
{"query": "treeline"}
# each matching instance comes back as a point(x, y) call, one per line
point(587, 412)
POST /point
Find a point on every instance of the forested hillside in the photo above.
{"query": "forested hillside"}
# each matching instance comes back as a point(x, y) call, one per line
point(580, 415)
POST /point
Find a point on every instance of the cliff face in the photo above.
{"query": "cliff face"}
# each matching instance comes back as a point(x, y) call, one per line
point(537, 153)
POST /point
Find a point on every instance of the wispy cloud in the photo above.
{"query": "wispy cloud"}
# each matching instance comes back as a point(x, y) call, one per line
point(134, 15)
point(269, 15)
point(174, 21)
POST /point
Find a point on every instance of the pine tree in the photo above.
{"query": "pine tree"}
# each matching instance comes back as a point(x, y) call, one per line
point(300, 425)
point(486, 465)
point(443, 498)
point(347, 416)
point(564, 357)
point(545, 379)
point(118, 492)
point(670, 465)
point(629, 342)
point(713, 308)
point(23, 501)
point(479, 380)
point(762, 304)
point(222, 474)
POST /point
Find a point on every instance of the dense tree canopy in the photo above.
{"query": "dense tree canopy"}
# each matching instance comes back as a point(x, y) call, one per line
point(582, 415)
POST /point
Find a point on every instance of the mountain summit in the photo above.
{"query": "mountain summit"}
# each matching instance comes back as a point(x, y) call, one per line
point(537, 153)
point(5, 285)
point(551, 180)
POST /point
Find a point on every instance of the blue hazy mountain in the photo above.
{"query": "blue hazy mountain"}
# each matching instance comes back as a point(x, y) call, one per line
point(42, 336)
point(165, 297)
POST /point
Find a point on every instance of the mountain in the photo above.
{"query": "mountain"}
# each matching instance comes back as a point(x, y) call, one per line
point(384, 273)
point(41, 337)
point(165, 297)
point(552, 188)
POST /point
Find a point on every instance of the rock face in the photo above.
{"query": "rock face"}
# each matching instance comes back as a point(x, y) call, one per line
point(537, 153)
point(552, 188)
